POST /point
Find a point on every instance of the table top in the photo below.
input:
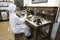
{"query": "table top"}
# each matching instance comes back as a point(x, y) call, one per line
point(34, 23)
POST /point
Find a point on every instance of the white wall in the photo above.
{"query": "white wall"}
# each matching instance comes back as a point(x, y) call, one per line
point(50, 3)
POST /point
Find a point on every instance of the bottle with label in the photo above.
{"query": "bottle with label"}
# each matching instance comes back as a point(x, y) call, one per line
point(8, 0)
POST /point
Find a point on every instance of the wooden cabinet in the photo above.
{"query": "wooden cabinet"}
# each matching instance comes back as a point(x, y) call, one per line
point(49, 15)
point(50, 12)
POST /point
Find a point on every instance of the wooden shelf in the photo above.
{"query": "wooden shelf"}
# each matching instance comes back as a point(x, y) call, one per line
point(3, 6)
point(42, 35)
point(48, 14)
point(5, 1)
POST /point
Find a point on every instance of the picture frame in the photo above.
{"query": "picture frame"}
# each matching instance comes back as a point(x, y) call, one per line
point(39, 1)
point(4, 15)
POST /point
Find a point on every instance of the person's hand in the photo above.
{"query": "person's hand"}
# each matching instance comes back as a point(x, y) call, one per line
point(18, 15)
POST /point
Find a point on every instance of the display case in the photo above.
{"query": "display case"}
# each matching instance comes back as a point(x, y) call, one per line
point(49, 13)
point(41, 20)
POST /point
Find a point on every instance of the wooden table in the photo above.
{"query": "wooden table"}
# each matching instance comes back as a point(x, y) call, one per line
point(36, 27)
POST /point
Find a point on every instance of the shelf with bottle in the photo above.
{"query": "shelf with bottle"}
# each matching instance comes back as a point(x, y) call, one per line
point(5, 1)
point(3, 5)
point(50, 13)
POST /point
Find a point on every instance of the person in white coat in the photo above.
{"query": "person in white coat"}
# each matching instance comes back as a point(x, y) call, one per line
point(17, 24)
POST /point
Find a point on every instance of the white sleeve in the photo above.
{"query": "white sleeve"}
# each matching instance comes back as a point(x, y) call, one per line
point(20, 20)
point(17, 20)
point(23, 19)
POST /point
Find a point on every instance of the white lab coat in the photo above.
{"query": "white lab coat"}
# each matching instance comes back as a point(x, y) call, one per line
point(17, 24)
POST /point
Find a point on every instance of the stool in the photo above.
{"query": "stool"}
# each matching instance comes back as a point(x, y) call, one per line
point(19, 36)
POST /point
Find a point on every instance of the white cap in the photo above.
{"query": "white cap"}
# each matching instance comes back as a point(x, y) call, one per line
point(12, 7)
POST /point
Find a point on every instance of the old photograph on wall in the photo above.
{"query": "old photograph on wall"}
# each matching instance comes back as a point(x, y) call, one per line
point(39, 1)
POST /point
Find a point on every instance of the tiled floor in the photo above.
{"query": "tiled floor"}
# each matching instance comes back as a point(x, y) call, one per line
point(4, 33)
